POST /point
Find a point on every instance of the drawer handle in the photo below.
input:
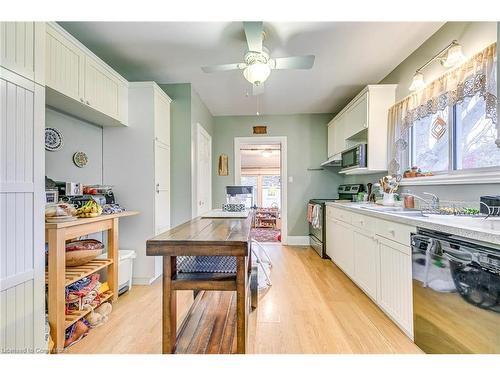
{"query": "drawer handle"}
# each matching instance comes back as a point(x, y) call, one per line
point(392, 231)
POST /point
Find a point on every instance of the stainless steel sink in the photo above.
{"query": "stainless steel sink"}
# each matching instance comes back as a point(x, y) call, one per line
point(395, 210)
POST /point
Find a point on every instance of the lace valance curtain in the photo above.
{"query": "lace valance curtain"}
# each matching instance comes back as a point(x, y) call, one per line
point(475, 76)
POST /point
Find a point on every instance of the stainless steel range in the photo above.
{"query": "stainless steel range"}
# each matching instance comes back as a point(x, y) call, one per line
point(317, 236)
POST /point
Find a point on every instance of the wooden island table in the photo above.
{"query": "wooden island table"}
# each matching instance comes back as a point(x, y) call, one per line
point(204, 237)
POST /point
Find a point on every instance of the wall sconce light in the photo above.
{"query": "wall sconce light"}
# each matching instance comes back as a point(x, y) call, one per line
point(449, 56)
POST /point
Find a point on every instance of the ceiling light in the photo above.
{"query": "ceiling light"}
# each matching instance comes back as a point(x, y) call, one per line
point(449, 56)
point(257, 73)
point(454, 55)
point(418, 82)
point(267, 153)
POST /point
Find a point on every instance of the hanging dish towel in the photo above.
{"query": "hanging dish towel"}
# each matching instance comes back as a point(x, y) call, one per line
point(310, 208)
point(316, 223)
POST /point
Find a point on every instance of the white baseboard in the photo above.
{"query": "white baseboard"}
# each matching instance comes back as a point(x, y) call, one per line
point(144, 280)
point(297, 241)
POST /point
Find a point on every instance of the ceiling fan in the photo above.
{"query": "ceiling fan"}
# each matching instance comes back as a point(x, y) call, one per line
point(257, 63)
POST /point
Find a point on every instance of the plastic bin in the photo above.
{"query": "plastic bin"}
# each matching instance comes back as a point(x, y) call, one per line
point(125, 268)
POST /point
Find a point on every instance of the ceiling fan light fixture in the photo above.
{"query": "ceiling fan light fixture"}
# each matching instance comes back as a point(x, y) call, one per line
point(418, 82)
point(257, 73)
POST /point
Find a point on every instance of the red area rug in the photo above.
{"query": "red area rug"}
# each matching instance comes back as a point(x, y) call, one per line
point(265, 234)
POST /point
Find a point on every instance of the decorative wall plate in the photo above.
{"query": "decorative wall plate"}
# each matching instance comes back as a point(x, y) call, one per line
point(53, 139)
point(80, 159)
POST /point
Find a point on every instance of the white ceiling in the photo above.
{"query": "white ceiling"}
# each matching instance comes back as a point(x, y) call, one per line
point(254, 159)
point(349, 55)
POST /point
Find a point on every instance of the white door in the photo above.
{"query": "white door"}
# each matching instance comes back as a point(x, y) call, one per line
point(22, 286)
point(343, 255)
point(366, 262)
point(203, 171)
point(395, 294)
point(162, 187)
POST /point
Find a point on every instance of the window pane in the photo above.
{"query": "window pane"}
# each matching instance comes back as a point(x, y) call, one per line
point(271, 192)
point(431, 143)
point(250, 181)
point(476, 135)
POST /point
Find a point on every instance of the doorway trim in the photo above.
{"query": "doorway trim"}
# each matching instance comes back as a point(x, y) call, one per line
point(282, 140)
point(198, 130)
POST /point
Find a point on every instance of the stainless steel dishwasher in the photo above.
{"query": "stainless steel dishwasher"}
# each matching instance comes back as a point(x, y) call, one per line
point(456, 294)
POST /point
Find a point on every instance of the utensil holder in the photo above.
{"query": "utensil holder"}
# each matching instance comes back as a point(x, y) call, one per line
point(388, 199)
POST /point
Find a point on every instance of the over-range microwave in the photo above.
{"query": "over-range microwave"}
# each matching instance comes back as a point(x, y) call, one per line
point(354, 157)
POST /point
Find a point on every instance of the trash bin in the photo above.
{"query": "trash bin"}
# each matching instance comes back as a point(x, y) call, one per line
point(125, 269)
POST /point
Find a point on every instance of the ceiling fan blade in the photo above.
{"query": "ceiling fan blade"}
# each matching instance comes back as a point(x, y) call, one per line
point(223, 67)
point(293, 62)
point(253, 33)
point(258, 90)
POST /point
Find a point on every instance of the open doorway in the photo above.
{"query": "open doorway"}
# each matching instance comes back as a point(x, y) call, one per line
point(259, 163)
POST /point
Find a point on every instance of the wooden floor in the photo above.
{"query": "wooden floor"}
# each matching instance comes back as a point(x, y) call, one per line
point(312, 307)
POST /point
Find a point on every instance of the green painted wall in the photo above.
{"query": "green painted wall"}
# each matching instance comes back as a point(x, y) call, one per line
point(180, 151)
point(200, 114)
point(186, 110)
point(307, 146)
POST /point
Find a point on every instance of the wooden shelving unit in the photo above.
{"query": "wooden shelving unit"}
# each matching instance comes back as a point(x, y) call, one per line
point(77, 273)
point(58, 276)
point(74, 316)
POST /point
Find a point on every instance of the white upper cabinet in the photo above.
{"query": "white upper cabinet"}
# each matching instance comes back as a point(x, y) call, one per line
point(22, 50)
point(357, 116)
point(65, 65)
point(162, 117)
point(364, 120)
point(102, 88)
point(81, 84)
point(336, 137)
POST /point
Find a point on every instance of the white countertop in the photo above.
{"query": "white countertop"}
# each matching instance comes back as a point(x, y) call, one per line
point(480, 229)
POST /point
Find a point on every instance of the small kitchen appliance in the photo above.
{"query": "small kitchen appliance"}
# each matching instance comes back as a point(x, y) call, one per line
point(317, 233)
point(490, 205)
point(354, 157)
point(238, 197)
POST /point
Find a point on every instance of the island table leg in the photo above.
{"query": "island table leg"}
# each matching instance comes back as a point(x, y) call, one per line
point(241, 299)
point(169, 306)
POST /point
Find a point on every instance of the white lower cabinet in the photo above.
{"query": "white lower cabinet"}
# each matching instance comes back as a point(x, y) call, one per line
point(395, 292)
point(376, 255)
point(366, 256)
point(340, 245)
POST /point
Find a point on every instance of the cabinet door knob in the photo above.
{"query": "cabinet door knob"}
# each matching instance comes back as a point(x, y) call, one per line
point(81, 99)
point(157, 188)
point(392, 231)
point(88, 103)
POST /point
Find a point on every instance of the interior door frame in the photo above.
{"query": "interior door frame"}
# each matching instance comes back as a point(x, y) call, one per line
point(198, 130)
point(282, 141)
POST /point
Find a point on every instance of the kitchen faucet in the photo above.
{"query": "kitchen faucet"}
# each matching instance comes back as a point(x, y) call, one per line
point(433, 204)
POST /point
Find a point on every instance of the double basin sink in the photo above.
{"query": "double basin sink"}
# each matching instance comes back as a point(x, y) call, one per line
point(395, 210)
